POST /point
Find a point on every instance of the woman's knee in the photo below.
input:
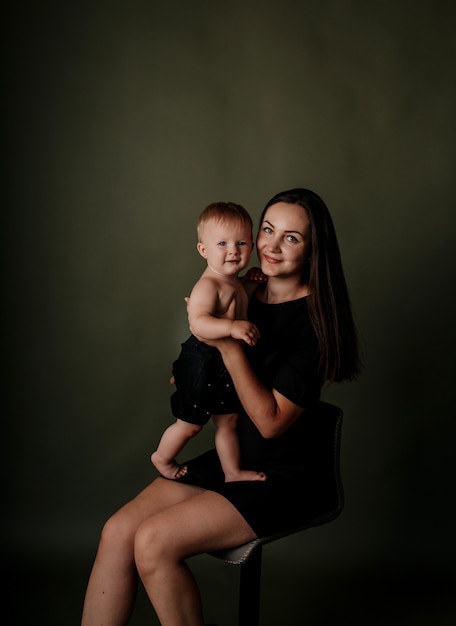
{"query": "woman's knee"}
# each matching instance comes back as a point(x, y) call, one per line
point(117, 532)
point(154, 546)
point(147, 547)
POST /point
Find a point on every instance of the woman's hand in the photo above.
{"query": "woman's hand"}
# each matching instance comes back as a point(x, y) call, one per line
point(255, 275)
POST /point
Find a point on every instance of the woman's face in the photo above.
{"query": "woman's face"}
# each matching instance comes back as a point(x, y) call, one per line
point(283, 241)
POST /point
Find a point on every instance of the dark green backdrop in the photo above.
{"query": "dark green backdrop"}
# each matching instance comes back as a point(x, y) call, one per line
point(123, 120)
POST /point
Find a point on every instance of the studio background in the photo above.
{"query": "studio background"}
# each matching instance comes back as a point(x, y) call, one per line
point(123, 121)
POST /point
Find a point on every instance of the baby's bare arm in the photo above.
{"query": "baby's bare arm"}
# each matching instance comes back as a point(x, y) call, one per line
point(204, 310)
point(245, 330)
point(209, 320)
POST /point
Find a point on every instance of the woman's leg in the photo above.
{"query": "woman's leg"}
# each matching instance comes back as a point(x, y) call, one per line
point(111, 590)
point(203, 523)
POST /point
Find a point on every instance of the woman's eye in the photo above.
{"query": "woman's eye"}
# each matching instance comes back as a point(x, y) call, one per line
point(292, 238)
point(267, 230)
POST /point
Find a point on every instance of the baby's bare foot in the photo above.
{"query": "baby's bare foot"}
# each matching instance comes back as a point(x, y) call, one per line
point(168, 469)
point(245, 475)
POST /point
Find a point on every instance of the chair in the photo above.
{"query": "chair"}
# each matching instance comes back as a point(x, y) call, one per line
point(324, 438)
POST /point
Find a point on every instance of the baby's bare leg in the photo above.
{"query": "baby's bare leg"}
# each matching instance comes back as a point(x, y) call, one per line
point(227, 444)
point(171, 443)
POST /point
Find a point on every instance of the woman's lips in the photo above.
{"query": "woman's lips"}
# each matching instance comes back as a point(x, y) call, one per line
point(270, 259)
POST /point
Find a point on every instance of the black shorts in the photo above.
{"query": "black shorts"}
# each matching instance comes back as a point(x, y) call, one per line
point(203, 385)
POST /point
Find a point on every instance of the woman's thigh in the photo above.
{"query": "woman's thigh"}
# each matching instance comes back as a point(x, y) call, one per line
point(159, 495)
point(204, 522)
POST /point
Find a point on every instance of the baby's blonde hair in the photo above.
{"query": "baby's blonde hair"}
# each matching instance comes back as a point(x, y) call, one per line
point(223, 212)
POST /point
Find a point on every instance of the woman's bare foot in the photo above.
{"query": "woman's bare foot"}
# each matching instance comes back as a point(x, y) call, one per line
point(168, 469)
point(244, 475)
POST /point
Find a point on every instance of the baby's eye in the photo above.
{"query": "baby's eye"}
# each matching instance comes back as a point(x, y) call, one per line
point(221, 243)
point(242, 243)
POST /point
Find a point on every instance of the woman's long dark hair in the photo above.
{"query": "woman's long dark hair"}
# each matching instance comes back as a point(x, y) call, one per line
point(329, 302)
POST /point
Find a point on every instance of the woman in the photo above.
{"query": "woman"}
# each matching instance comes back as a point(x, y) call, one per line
point(308, 338)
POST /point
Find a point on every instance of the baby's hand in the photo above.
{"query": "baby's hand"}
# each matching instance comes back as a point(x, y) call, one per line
point(255, 275)
point(246, 331)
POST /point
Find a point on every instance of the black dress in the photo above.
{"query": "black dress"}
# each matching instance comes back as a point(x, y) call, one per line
point(287, 359)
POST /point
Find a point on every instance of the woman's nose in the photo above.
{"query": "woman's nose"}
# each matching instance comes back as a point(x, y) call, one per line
point(273, 244)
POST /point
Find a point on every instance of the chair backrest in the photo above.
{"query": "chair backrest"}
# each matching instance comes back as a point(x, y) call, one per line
point(323, 450)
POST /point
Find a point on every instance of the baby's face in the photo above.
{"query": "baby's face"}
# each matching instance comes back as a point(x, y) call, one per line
point(226, 245)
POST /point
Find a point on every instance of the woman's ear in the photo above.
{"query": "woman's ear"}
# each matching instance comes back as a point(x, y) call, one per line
point(201, 249)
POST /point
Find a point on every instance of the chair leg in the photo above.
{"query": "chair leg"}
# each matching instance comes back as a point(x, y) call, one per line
point(249, 590)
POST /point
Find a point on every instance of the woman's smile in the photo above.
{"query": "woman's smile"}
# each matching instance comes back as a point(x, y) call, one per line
point(270, 259)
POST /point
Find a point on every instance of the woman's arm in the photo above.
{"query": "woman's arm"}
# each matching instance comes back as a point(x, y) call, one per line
point(270, 411)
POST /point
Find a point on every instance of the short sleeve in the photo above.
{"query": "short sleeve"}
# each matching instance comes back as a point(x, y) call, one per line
point(297, 377)
point(287, 355)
